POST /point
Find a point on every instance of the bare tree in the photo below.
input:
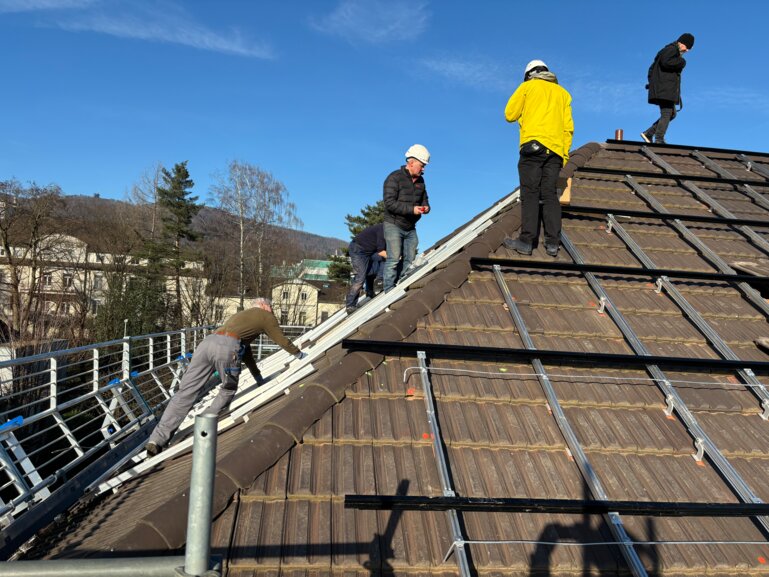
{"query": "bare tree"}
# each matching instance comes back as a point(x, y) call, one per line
point(260, 203)
point(27, 240)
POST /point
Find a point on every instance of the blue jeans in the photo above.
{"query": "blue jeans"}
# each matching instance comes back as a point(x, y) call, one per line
point(361, 263)
point(400, 243)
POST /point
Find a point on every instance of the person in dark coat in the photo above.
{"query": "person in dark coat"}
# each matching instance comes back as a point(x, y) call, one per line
point(405, 201)
point(367, 250)
point(665, 85)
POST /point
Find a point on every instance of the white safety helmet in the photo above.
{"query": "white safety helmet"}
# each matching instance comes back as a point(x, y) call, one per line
point(532, 65)
point(420, 153)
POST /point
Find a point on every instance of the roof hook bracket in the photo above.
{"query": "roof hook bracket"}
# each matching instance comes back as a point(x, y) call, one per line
point(610, 220)
point(457, 544)
point(658, 290)
point(699, 444)
point(602, 306)
point(765, 414)
point(669, 405)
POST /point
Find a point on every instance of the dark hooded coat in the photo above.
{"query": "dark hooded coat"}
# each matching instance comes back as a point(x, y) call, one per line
point(665, 76)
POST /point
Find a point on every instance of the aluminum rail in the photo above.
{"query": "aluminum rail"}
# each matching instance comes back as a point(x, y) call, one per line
point(439, 450)
point(197, 561)
point(687, 148)
point(705, 198)
point(702, 442)
point(725, 174)
point(750, 293)
point(756, 386)
point(574, 209)
point(753, 166)
point(613, 519)
point(560, 506)
point(574, 357)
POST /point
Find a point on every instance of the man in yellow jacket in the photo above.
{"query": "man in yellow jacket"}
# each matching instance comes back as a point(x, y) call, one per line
point(543, 111)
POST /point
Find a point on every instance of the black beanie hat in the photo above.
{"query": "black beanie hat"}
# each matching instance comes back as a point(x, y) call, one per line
point(687, 40)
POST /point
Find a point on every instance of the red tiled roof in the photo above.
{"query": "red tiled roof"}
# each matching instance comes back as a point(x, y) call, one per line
point(360, 424)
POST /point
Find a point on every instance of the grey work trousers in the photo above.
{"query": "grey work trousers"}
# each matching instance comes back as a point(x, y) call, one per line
point(215, 353)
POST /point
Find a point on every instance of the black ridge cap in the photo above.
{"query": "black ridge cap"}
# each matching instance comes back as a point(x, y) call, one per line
point(687, 147)
point(668, 176)
point(565, 506)
point(464, 352)
point(620, 270)
point(578, 209)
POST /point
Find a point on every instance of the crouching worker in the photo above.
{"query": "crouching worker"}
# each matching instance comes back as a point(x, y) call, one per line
point(221, 351)
point(367, 250)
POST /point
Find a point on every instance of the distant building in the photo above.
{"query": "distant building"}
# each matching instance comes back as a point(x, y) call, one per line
point(67, 278)
point(300, 302)
point(307, 269)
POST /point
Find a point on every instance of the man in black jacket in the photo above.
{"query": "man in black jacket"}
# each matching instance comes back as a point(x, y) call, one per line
point(665, 85)
point(405, 201)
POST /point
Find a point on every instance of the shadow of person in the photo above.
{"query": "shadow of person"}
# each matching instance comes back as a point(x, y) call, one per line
point(596, 560)
point(380, 548)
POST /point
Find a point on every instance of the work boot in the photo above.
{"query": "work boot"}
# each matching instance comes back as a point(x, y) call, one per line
point(518, 246)
point(152, 449)
point(351, 309)
point(647, 138)
point(551, 250)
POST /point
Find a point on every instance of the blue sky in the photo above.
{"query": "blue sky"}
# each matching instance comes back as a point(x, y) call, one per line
point(328, 94)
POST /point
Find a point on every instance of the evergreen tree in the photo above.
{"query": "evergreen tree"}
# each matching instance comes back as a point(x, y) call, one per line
point(369, 216)
point(179, 208)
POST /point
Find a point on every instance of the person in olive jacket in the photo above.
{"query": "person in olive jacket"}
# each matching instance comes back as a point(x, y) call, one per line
point(665, 85)
point(405, 201)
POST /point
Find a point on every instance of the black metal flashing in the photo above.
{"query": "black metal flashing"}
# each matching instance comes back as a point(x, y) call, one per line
point(462, 352)
point(563, 506)
point(616, 211)
point(620, 270)
point(685, 147)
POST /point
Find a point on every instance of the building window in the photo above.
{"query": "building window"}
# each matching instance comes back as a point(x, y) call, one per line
point(94, 307)
point(323, 316)
point(302, 319)
point(47, 279)
point(284, 318)
point(97, 282)
point(285, 295)
point(303, 296)
point(67, 280)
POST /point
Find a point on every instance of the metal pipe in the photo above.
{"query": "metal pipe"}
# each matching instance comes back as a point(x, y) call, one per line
point(145, 566)
point(198, 551)
point(619, 134)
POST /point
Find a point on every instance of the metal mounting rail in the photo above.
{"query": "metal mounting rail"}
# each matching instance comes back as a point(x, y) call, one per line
point(68, 416)
point(687, 148)
point(619, 270)
point(675, 404)
point(705, 198)
point(586, 170)
point(573, 209)
point(753, 166)
point(439, 450)
point(562, 506)
point(750, 293)
point(757, 388)
point(592, 481)
point(410, 349)
point(725, 174)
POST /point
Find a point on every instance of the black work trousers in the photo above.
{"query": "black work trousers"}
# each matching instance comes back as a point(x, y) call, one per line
point(538, 174)
point(660, 127)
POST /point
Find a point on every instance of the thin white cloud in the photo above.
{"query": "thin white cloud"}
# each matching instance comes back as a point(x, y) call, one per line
point(601, 95)
point(375, 21)
point(473, 73)
point(164, 21)
point(728, 98)
point(40, 5)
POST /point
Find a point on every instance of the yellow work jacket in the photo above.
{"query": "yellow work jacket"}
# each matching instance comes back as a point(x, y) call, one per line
point(543, 111)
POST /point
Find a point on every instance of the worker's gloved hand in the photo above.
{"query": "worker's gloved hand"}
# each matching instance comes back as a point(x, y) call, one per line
point(300, 355)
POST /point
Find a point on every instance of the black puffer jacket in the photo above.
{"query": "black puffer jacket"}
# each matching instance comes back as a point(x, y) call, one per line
point(401, 195)
point(665, 76)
